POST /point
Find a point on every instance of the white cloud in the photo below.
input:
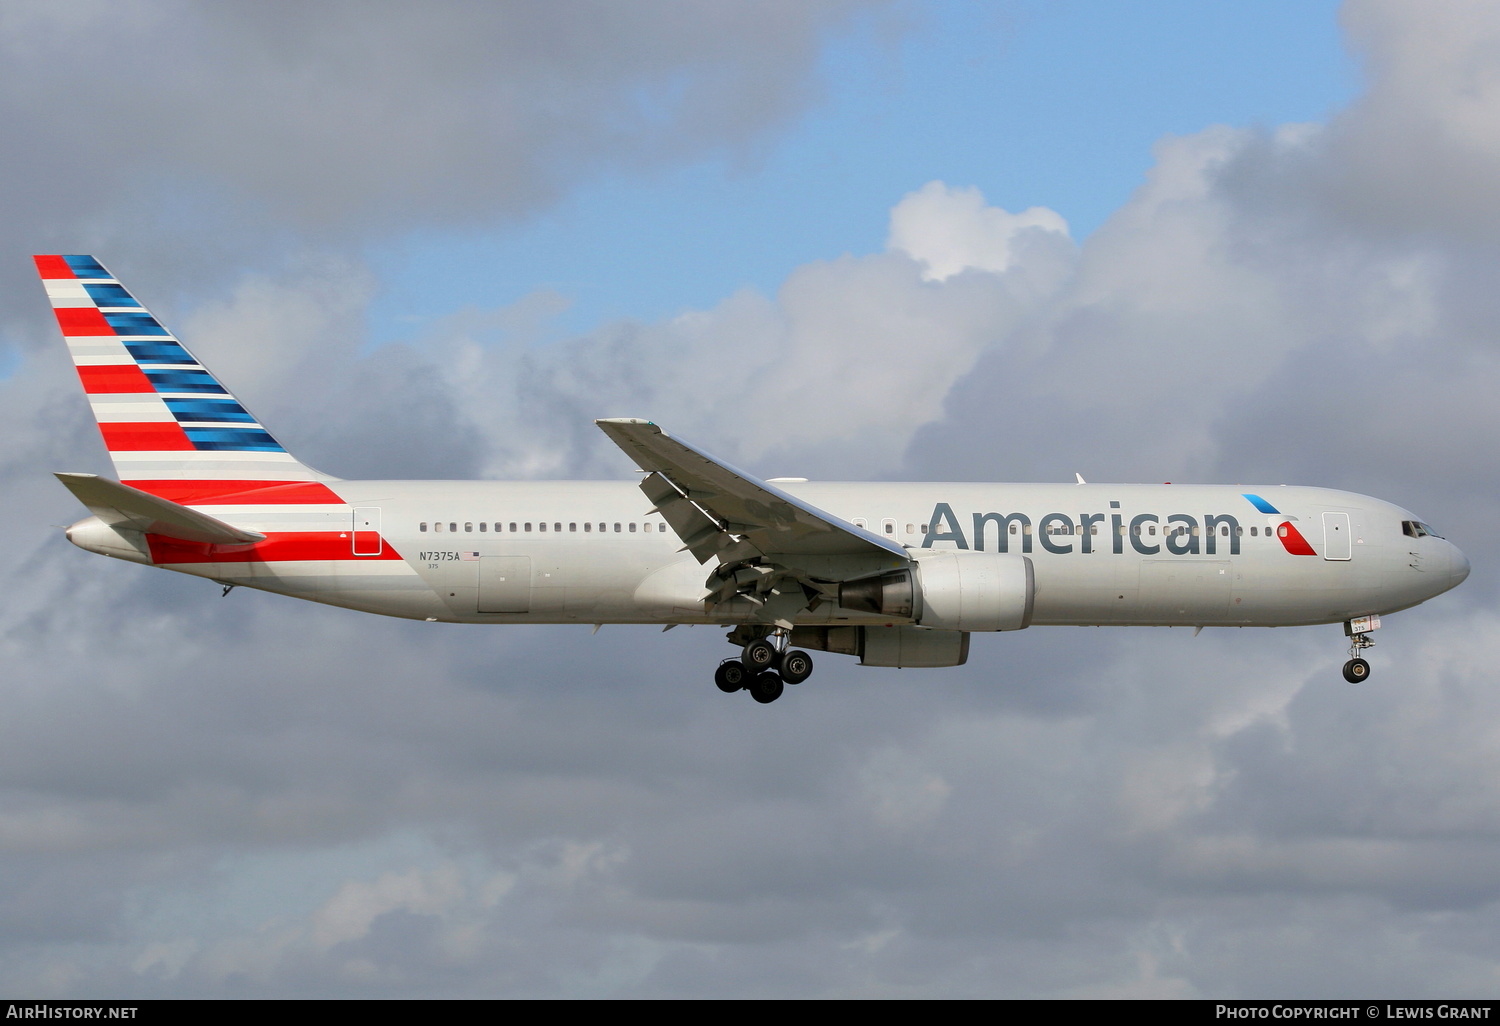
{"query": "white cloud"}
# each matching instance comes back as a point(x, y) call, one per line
point(347, 915)
point(1421, 149)
point(332, 117)
point(949, 230)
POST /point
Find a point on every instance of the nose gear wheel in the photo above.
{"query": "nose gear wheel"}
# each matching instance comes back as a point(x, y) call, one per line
point(1357, 669)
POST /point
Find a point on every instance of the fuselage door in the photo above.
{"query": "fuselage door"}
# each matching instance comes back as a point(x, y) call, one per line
point(367, 530)
point(1336, 541)
point(504, 584)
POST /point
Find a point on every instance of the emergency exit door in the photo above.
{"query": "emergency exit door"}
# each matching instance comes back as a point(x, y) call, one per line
point(366, 530)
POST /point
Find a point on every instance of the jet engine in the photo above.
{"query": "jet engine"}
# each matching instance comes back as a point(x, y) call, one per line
point(955, 591)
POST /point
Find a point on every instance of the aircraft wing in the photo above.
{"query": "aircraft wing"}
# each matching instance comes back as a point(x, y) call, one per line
point(718, 510)
point(120, 505)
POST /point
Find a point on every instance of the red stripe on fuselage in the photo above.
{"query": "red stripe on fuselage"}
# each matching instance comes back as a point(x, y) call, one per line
point(287, 546)
point(115, 379)
point(53, 267)
point(151, 436)
point(1293, 541)
point(241, 493)
point(82, 320)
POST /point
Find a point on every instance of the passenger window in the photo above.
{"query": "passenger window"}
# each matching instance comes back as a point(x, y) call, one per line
point(528, 527)
point(632, 528)
point(587, 528)
point(617, 527)
point(438, 527)
point(648, 527)
point(483, 527)
point(469, 528)
point(1281, 531)
point(572, 527)
point(513, 527)
point(453, 527)
point(1012, 528)
point(422, 527)
point(542, 527)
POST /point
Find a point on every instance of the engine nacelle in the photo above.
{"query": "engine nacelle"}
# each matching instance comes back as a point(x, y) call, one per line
point(888, 646)
point(975, 591)
point(954, 591)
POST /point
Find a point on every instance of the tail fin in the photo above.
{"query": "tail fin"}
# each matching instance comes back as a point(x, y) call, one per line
point(171, 429)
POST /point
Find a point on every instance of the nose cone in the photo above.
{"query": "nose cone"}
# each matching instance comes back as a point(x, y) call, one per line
point(1458, 566)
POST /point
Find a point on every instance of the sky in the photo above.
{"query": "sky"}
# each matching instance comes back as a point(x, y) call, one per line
point(847, 239)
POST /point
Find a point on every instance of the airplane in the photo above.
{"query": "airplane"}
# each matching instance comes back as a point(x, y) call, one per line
point(897, 575)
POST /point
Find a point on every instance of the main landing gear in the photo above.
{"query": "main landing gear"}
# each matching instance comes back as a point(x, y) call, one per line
point(764, 667)
point(1357, 670)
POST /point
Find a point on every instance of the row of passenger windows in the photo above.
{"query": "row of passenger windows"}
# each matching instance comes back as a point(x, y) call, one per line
point(526, 526)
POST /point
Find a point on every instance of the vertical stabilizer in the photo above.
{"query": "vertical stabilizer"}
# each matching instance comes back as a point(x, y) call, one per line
point(170, 427)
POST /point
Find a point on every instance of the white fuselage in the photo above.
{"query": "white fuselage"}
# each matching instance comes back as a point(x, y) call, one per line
point(591, 552)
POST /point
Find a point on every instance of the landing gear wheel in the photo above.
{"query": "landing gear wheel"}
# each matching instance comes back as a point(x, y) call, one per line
point(766, 688)
point(1356, 670)
point(731, 676)
point(796, 666)
point(759, 655)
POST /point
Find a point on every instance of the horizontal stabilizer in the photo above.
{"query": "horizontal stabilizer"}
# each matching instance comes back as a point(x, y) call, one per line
point(123, 506)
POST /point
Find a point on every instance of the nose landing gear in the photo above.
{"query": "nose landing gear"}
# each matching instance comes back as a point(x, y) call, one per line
point(1357, 670)
point(765, 665)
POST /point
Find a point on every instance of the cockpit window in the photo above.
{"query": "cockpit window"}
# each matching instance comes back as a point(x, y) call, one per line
point(1417, 529)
